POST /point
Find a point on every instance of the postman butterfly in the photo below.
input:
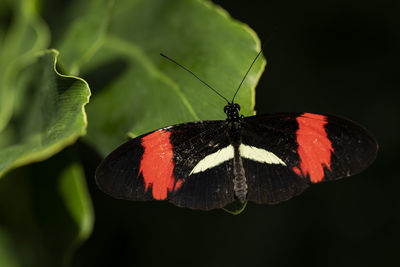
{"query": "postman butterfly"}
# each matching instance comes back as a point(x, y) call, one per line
point(212, 164)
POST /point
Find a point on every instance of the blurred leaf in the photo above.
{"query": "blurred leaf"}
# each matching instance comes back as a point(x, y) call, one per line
point(73, 189)
point(19, 41)
point(45, 213)
point(50, 115)
point(135, 89)
point(235, 208)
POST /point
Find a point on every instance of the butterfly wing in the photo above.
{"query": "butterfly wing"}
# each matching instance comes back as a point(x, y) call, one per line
point(313, 148)
point(158, 166)
point(191, 164)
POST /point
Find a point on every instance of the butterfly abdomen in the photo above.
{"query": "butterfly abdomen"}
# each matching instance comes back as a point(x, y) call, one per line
point(239, 177)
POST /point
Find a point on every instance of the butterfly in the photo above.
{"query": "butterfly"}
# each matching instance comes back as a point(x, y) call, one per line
point(213, 164)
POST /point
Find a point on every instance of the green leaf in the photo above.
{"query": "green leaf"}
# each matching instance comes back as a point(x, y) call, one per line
point(72, 187)
point(19, 43)
point(49, 116)
point(235, 208)
point(135, 89)
point(45, 213)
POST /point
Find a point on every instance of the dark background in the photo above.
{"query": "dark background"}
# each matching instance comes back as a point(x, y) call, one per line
point(338, 57)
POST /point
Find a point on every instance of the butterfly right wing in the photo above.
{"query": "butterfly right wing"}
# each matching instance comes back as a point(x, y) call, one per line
point(311, 148)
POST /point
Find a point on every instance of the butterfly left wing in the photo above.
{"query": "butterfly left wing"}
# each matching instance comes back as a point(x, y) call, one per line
point(159, 166)
point(309, 148)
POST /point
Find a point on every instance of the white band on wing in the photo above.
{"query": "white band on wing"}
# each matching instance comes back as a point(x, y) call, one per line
point(227, 153)
point(259, 155)
point(214, 159)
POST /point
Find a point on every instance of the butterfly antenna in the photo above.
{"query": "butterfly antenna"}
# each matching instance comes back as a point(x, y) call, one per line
point(170, 59)
point(245, 75)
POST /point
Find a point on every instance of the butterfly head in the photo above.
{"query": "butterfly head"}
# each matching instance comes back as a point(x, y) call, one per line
point(232, 112)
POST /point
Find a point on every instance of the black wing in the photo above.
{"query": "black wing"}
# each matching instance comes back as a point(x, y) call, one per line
point(314, 148)
point(158, 165)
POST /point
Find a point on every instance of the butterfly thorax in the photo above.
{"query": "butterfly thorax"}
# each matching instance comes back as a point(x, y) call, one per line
point(232, 112)
point(234, 121)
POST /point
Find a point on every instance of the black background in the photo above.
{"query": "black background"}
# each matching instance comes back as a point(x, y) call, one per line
point(339, 57)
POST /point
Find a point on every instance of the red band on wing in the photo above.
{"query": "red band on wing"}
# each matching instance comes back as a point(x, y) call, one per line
point(157, 164)
point(314, 146)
